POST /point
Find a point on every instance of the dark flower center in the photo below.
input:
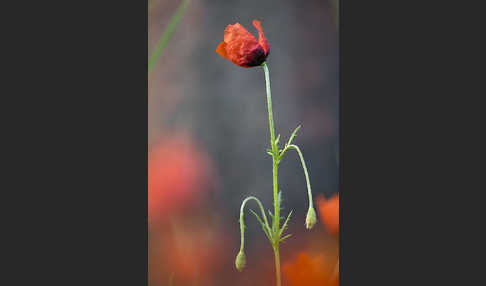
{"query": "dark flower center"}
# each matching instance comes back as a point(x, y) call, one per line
point(257, 57)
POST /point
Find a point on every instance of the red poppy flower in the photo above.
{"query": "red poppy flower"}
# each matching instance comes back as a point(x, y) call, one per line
point(329, 212)
point(242, 48)
point(178, 173)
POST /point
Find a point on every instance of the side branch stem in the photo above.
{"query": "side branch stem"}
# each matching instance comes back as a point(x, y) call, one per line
point(309, 191)
point(242, 222)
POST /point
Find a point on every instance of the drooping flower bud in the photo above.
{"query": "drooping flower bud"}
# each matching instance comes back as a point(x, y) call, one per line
point(240, 261)
point(311, 219)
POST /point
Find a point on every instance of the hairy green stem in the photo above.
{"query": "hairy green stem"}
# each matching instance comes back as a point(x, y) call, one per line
point(273, 144)
point(269, 104)
point(309, 191)
point(277, 266)
point(274, 233)
point(242, 221)
point(275, 157)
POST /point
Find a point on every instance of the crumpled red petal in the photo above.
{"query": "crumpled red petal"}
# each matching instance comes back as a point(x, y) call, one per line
point(242, 48)
point(241, 45)
point(261, 37)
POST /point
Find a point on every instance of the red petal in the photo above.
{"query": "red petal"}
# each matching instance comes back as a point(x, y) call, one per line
point(241, 46)
point(261, 37)
point(221, 50)
point(238, 33)
point(329, 211)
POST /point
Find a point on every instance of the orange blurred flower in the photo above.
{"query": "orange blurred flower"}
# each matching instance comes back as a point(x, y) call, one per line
point(177, 175)
point(309, 270)
point(242, 48)
point(190, 249)
point(329, 213)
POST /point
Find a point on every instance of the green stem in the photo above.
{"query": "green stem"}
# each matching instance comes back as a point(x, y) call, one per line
point(269, 104)
point(272, 142)
point(242, 220)
point(275, 156)
point(309, 191)
point(277, 266)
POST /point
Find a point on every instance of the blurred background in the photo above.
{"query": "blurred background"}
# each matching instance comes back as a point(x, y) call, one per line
point(208, 135)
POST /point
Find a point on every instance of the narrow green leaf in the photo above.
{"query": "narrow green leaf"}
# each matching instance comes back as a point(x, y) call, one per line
point(293, 135)
point(285, 224)
point(285, 237)
point(262, 224)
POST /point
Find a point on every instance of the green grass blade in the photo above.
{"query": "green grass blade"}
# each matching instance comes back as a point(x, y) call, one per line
point(167, 34)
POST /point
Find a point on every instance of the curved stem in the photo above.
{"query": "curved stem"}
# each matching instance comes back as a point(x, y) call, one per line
point(309, 191)
point(242, 221)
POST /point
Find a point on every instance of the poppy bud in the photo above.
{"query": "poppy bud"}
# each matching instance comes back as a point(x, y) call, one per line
point(242, 48)
point(311, 219)
point(240, 261)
